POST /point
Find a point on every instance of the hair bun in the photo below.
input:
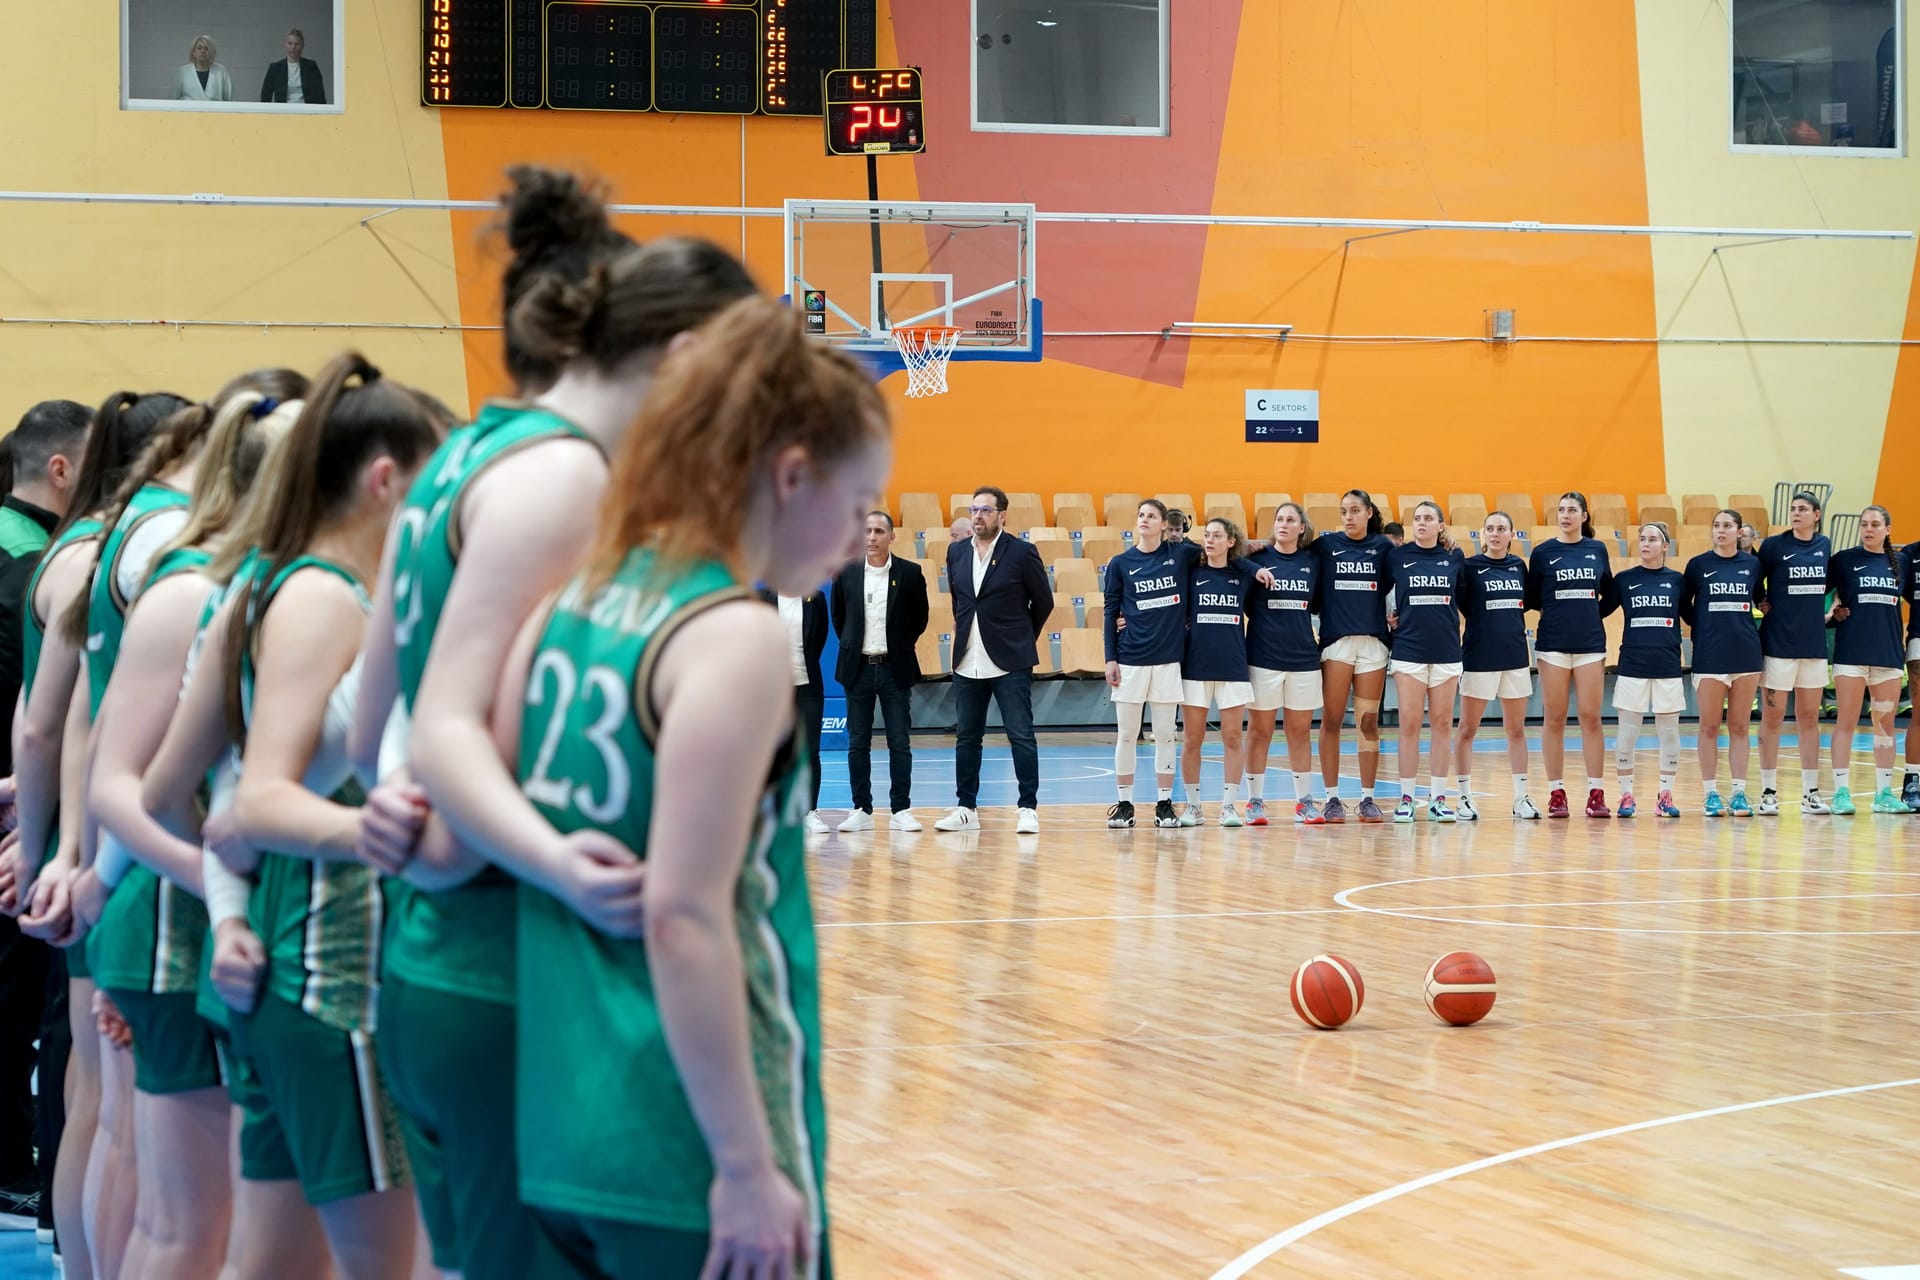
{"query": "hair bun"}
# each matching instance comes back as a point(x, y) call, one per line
point(549, 210)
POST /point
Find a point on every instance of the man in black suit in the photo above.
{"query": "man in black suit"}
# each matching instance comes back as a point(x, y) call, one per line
point(879, 611)
point(1000, 604)
point(294, 78)
point(806, 623)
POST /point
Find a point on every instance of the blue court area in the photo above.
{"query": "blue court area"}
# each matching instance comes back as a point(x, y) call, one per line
point(1077, 768)
point(21, 1259)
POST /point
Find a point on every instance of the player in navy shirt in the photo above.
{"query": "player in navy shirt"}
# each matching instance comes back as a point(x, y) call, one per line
point(1723, 586)
point(1353, 645)
point(1215, 667)
point(1649, 667)
point(1910, 792)
point(1570, 582)
point(1146, 585)
point(1426, 654)
point(1493, 599)
point(1869, 583)
point(1283, 659)
point(1793, 641)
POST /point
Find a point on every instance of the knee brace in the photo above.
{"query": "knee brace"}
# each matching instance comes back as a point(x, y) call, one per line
point(1165, 743)
point(1669, 727)
point(1626, 740)
point(1369, 734)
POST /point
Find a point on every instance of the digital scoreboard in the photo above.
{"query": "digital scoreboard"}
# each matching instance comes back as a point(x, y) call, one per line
point(874, 112)
point(733, 57)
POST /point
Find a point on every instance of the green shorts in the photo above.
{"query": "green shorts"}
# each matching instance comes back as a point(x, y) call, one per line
point(602, 1249)
point(172, 1048)
point(323, 1115)
point(449, 1062)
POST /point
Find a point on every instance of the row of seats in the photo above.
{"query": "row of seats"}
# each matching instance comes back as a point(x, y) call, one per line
point(1074, 512)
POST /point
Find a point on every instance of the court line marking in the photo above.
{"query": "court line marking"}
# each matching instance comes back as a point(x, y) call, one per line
point(1150, 915)
point(1253, 1257)
point(1658, 902)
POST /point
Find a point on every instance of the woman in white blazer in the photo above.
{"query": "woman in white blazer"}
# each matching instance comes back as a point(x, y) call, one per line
point(202, 79)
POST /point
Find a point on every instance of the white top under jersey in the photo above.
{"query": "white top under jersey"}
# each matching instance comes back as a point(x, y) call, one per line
point(875, 642)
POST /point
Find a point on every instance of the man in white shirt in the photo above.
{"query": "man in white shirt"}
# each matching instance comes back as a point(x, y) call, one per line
point(879, 612)
point(294, 79)
point(806, 623)
point(1001, 599)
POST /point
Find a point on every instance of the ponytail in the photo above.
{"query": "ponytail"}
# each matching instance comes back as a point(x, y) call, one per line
point(236, 444)
point(352, 416)
point(750, 384)
point(1374, 523)
point(121, 427)
point(1586, 517)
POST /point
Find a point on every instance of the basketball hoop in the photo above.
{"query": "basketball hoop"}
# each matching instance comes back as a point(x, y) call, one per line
point(926, 348)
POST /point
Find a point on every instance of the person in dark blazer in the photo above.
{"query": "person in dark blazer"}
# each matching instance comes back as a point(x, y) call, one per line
point(879, 663)
point(1000, 605)
point(806, 621)
point(294, 78)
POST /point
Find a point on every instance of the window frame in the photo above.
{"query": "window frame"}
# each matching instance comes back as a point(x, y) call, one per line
point(336, 81)
point(1836, 153)
point(1162, 130)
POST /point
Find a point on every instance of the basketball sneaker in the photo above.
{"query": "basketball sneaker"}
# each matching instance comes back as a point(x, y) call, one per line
point(1597, 804)
point(1369, 811)
point(1164, 816)
point(1557, 803)
point(1465, 810)
point(1333, 814)
point(816, 825)
point(1842, 802)
point(1910, 793)
point(1715, 807)
point(1739, 806)
point(1769, 805)
point(959, 819)
point(1230, 815)
point(1438, 810)
point(1403, 812)
point(1307, 813)
point(1192, 815)
point(903, 820)
point(1027, 823)
point(1887, 800)
point(1256, 812)
point(1626, 804)
point(1525, 810)
point(857, 820)
point(1120, 815)
point(1812, 803)
point(1664, 806)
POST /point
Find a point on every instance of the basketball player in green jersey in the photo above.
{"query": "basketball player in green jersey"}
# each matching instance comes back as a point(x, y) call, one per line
point(146, 948)
point(50, 776)
point(651, 701)
point(292, 637)
point(497, 520)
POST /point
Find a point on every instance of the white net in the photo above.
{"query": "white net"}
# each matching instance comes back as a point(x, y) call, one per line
point(926, 350)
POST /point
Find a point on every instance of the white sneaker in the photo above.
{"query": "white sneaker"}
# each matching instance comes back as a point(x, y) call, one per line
point(1029, 824)
point(1465, 810)
point(1523, 809)
point(816, 825)
point(904, 821)
point(959, 820)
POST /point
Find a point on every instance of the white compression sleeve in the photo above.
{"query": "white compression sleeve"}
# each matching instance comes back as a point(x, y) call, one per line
point(1668, 723)
point(1165, 747)
point(1625, 739)
point(1126, 741)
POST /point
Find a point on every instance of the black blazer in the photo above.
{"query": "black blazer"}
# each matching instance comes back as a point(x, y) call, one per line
point(813, 628)
point(906, 619)
point(312, 88)
point(1012, 607)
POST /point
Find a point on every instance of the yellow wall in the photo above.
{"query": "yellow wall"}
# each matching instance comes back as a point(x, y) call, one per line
point(67, 133)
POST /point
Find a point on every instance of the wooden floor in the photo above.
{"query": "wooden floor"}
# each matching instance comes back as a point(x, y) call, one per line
point(1073, 1055)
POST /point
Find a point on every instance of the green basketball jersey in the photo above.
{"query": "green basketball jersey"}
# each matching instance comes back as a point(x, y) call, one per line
point(33, 627)
point(459, 940)
point(107, 604)
point(151, 934)
point(20, 533)
point(635, 1153)
point(319, 921)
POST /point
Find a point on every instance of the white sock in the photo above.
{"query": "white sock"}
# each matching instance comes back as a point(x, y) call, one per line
point(1768, 779)
point(1595, 784)
point(1125, 787)
point(1519, 786)
point(1666, 781)
point(1712, 785)
point(1739, 786)
point(1163, 792)
point(1436, 787)
point(1229, 793)
point(1843, 778)
point(1257, 785)
point(1557, 784)
point(1366, 793)
point(1885, 778)
point(1302, 786)
point(1466, 785)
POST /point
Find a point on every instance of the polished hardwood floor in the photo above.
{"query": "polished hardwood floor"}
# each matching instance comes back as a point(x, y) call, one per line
point(1072, 1054)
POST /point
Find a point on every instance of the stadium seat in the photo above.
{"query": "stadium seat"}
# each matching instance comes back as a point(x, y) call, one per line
point(1324, 519)
point(1657, 500)
point(1262, 526)
point(1408, 501)
point(1083, 652)
point(957, 504)
point(1615, 626)
point(1321, 500)
point(1071, 500)
point(1055, 550)
point(1048, 663)
point(1073, 519)
point(1180, 502)
point(1540, 533)
point(1090, 608)
point(935, 568)
point(1025, 498)
point(1119, 510)
point(1074, 577)
point(933, 649)
point(1469, 509)
point(918, 510)
point(1696, 512)
point(1752, 508)
point(1611, 513)
point(1097, 551)
point(1264, 500)
point(1520, 507)
point(1667, 515)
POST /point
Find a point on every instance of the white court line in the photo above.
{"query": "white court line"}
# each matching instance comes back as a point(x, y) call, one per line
point(1150, 915)
point(1646, 902)
point(1253, 1257)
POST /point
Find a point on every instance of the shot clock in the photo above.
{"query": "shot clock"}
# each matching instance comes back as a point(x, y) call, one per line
point(875, 112)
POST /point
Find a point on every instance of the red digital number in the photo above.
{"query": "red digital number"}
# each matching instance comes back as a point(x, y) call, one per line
point(890, 119)
point(862, 122)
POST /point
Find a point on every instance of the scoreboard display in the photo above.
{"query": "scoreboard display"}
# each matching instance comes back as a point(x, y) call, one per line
point(875, 112)
point(731, 57)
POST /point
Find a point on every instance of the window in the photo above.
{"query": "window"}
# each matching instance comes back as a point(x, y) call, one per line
point(281, 57)
point(1070, 66)
point(1817, 73)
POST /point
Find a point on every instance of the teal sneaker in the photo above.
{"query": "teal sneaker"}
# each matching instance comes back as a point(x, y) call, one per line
point(1438, 810)
point(1403, 812)
point(1739, 807)
point(1715, 806)
point(1887, 800)
point(1843, 802)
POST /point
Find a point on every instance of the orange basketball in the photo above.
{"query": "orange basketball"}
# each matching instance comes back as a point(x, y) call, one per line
point(1460, 988)
point(1327, 992)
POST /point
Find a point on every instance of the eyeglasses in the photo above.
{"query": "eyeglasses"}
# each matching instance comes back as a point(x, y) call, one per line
point(983, 511)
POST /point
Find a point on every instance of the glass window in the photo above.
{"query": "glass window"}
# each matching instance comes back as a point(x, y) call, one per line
point(1070, 66)
point(1817, 73)
point(281, 57)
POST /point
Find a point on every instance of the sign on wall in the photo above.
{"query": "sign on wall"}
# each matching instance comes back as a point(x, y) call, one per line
point(1283, 417)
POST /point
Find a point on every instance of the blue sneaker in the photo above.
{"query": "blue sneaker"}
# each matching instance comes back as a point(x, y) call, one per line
point(1627, 808)
point(1715, 806)
point(1664, 806)
point(1739, 807)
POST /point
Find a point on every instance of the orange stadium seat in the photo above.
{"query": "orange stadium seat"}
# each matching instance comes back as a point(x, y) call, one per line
point(1119, 510)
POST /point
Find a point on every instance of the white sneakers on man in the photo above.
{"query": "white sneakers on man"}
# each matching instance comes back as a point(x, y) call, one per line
point(816, 825)
point(959, 820)
point(1029, 824)
point(857, 820)
point(904, 821)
